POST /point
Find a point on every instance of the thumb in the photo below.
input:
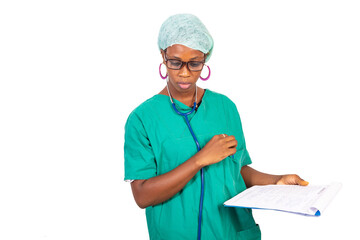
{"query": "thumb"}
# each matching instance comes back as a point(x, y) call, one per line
point(301, 182)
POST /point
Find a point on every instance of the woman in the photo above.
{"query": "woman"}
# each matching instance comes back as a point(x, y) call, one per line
point(182, 167)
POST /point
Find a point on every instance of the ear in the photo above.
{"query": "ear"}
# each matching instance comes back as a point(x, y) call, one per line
point(205, 56)
point(163, 55)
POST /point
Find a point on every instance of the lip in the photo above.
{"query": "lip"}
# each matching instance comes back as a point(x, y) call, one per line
point(183, 85)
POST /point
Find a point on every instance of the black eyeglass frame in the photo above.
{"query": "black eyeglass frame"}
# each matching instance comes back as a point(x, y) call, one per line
point(182, 63)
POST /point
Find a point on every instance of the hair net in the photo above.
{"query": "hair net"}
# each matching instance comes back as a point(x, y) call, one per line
point(187, 30)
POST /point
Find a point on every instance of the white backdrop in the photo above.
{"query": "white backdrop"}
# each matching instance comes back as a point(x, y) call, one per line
point(72, 71)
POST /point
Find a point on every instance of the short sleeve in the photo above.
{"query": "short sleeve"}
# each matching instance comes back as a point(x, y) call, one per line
point(242, 152)
point(245, 158)
point(138, 153)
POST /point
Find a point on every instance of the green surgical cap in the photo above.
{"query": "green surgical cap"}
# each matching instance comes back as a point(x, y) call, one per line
point(187, 30)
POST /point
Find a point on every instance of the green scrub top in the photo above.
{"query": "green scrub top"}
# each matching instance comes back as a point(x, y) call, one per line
point(158, 140)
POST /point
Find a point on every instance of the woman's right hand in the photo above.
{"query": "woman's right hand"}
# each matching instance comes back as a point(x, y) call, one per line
point(218, 148)
point(155, 190)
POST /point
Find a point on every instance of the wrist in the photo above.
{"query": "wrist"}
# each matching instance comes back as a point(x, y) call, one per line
point(277, 179)
point(198, 161)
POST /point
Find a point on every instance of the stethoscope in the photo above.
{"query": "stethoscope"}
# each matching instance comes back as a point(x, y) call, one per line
point(185, 115)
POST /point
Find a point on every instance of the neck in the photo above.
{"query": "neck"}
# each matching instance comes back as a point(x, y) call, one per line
point(187, 98)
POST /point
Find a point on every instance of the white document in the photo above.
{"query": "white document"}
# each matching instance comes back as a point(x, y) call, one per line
point(309, 200)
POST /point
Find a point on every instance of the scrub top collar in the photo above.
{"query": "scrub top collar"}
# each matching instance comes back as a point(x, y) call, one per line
point(181, 106)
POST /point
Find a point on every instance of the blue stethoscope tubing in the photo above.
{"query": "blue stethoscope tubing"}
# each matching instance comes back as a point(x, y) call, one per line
point(185, 115)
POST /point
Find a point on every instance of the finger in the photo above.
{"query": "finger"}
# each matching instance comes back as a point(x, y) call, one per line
point(230, 152)
point(232, 143)
point(300, 181)
point(303, 183)
point(233, 151)
point(221, 136)
point(229, 138)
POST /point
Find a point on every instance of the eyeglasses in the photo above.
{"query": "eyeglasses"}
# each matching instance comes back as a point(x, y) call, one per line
point(176, 64)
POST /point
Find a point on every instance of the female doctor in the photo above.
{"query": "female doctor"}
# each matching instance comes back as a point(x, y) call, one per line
point(185, 151)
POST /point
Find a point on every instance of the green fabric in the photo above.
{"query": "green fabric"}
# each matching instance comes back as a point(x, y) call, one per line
point(157, 140)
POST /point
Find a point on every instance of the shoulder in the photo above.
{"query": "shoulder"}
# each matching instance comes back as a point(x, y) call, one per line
point(145, 108)
point(220, 98)
point(147, 105)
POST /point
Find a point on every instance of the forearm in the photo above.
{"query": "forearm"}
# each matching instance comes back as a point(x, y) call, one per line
point(158, 189)
point(253, 177)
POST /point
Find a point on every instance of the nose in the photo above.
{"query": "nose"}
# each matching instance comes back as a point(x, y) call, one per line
point(184, 71)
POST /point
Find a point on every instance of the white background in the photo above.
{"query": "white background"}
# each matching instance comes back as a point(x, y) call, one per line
point(72, 71)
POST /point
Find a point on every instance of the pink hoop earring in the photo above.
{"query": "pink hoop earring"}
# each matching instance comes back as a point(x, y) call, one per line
point(160, 72)
point(204, 79)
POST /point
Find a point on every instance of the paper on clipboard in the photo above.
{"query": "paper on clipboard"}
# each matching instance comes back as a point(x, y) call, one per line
point(309, 200)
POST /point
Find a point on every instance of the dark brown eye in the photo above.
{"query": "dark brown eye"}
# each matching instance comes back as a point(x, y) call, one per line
point(174, 63)
point(196, 66)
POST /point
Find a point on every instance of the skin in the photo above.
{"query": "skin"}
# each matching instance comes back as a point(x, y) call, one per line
point(155, 190)
point(184, 75)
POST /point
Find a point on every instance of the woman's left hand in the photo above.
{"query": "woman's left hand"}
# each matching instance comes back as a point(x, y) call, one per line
point(291, 179)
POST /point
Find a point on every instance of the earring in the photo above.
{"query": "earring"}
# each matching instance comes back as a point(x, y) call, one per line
point(204, 79)
point(160, 72)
